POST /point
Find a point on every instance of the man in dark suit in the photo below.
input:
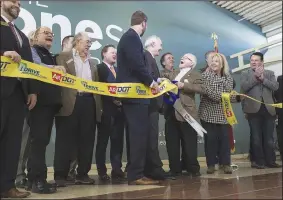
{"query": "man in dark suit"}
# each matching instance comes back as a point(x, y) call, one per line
point(112, 121)
point(132, 69)
point(14, 93)
point(278, 98)
point(153, 46)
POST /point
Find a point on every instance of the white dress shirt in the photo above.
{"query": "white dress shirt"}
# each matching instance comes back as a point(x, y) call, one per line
point(82, 67)
point(16, 31)
point(182, 74)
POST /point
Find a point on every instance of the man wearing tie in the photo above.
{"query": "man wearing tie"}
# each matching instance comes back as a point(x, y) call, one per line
point(112, 121)
point(15, 94)
point(132, 69)
point(154, 170)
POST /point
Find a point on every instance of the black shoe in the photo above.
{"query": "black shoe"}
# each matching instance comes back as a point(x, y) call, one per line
point(253, 165)
point(42, 187)
point(195, 174)
point(64, 182)
point(84, 180)
point(273, 165)
point(22, 183)
point(118, 175)
point(259, 166)
point(104, 178)
point(172, 175)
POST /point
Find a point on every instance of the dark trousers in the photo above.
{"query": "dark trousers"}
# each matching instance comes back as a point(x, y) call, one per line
point(279, 132)
point(25, 149)
point(12, 120)
point(262, 128)
point(181, 133)
point(154, 165)
point(73, 151)
point(76, 130)
point(112, 126)
point(217, 144)
point(138, 124)
point(41, 123)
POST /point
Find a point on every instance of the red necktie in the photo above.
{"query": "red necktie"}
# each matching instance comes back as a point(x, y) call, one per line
point(15, 34)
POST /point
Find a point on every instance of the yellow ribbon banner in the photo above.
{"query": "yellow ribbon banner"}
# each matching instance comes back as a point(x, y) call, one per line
point(30, 70)
point(228, 110)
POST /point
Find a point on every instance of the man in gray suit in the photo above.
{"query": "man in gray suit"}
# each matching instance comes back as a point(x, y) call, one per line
point(260, 84)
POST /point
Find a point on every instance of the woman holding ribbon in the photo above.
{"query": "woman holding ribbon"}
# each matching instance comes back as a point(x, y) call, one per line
point(216, 80)
point(180, 131)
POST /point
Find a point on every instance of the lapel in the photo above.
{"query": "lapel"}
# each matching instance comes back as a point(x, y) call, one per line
point(71, 64)
point(187, 75)
point(92, 69)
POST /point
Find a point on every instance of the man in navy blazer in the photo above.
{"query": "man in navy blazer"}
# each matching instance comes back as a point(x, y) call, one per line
point(112, 121)
point(132, 69)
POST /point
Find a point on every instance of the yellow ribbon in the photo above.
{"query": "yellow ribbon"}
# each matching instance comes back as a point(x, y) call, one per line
point(123, 90)
point(228, 110)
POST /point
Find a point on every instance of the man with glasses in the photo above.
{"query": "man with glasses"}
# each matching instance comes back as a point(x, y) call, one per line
point(79, 114)
point(42, 116)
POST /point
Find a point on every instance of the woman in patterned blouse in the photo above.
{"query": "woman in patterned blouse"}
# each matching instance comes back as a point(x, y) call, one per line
point(216, 80)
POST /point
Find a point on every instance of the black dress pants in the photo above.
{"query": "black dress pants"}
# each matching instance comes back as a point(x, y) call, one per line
point(76, 131)
point(12, 120)
point(112, 126)
point(41, 123)
point(181, 133)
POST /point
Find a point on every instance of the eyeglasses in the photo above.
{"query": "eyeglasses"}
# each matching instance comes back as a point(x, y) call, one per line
point(48, 33)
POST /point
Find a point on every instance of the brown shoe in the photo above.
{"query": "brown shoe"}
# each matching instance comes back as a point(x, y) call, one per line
point(14, 194)
point(144, 181)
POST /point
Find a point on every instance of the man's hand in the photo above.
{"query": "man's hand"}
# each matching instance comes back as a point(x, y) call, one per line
point(261, 77)
point(259, 71)
point(60, 68)
point(180, 85)
point(13, 55)
point(154, 86)
point(160, 80)
point(117, 103)
point(32, 99)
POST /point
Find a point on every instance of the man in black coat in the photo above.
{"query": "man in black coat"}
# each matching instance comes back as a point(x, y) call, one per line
point(15, 95)
point(132, 69)
point(278, 98)
point(153, 46)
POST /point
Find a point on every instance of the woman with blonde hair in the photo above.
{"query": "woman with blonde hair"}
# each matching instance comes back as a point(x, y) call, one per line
point(217, 80)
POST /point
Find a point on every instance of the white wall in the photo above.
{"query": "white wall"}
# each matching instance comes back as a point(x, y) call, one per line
point(272, 52)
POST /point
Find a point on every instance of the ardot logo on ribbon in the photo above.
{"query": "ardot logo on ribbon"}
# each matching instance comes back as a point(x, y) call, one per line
point(118, 90)
point(57, 77)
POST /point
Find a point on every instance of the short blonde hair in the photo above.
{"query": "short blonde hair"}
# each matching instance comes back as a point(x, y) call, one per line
point(225, 69)
point(150, 40)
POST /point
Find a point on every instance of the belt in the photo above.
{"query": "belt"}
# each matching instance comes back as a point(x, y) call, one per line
point(84, 94)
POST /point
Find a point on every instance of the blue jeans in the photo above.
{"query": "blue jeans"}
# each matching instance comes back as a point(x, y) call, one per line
point(262, 127)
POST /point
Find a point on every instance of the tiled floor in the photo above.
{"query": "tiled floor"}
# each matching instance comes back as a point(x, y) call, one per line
point(244, 183)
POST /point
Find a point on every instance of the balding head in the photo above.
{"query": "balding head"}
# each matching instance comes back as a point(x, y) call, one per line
point(82, 43)
point(43, 36)
point(154, 45)
point(188, 61)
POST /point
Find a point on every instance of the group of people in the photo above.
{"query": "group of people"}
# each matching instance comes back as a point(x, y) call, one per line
point(29, 108)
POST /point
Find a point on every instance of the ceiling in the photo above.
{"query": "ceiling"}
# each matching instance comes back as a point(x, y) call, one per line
point(261, 13)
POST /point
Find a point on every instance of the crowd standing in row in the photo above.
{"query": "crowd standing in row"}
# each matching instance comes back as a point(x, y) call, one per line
point(30, 107)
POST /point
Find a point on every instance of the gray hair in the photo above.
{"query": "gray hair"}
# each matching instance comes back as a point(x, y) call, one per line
point(150, 40)
point(78, 37)
point(30, 36)
point(194, 59)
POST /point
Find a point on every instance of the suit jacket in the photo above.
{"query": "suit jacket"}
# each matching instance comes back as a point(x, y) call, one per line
point(131, 63)
point(278, 94)
point(155, 103)
point(192, 85)
point(69, 95)
point(260, 91)
point(9, 43)
point(106, 76)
